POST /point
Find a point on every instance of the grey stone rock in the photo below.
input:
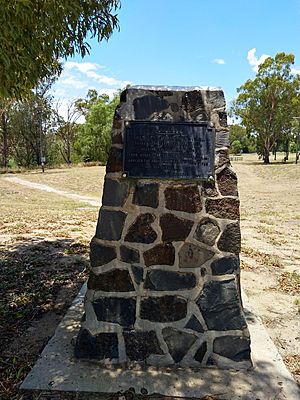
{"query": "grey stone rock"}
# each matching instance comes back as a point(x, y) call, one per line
point(192, 256)
point(146, 105)
point(225, 265)
point(163, 309)
point(178, 342)
point(140, 345)
point(146, 194)
point(115, 192)
point(101, 254)
point(115, 309)
point(110, 224)
point(117, 280)
point(99, 347)
point(169, 280)
point(207, 231)
point(230, 239)
point(194, 324)
point(129, 255)
point(234, 347)
point(215, 98)
point(220, 306)
point(222, 139)
point(200, 353)
point(138, 273)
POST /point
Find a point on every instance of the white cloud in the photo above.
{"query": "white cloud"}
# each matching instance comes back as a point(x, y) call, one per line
point(254, 61)
point(296, 70)
point(78, 77)
point(219, 61)
point(82, 66)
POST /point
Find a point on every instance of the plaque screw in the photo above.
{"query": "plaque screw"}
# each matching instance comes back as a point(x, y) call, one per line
point(211, 179)
point(127, 123)
point(211, 124)
point(124, 175)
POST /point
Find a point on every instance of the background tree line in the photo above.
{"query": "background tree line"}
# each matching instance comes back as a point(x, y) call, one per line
point(33, 131)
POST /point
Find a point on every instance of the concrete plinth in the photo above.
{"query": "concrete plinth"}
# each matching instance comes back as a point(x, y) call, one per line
point(58, 370)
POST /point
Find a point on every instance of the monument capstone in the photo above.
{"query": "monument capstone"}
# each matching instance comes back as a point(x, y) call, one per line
point(164, 285)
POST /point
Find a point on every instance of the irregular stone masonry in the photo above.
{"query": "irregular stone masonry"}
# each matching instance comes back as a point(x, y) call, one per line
point(164, 283)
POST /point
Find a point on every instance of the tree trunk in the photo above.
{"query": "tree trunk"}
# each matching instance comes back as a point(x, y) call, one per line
point(5, 140)
point(266, 156)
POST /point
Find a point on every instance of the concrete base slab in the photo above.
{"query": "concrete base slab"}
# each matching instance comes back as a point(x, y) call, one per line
point(57, 370)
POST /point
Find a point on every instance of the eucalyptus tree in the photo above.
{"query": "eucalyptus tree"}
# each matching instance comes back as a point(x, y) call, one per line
point(268, 103)
point(36, 34)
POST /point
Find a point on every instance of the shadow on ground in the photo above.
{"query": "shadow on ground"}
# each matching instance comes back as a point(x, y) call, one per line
point(38, 281)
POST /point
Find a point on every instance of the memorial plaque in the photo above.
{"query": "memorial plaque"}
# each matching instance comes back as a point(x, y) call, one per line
point(162, 149)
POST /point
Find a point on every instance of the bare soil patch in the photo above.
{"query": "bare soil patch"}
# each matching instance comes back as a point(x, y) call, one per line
point(270, 258)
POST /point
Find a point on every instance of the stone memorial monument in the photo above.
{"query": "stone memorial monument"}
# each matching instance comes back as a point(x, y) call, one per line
point(164, 284)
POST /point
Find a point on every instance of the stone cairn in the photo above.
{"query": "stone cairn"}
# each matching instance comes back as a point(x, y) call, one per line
point(164, 284)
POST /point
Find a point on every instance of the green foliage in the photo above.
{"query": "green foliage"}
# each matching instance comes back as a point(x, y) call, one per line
point(268, 103)
point(35, 34)
point(94, 141)
point(236, 147)
point(239, 133)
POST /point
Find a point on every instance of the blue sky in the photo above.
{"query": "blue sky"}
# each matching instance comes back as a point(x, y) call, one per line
point(185, 43)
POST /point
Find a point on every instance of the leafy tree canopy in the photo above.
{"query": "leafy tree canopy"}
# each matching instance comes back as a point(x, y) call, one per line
point(268, 103)
point(36, 34)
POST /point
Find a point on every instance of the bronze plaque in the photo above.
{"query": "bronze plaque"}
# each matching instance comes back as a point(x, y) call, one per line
point(161, 149)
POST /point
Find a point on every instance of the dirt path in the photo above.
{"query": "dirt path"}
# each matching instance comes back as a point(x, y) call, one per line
point(46, 188)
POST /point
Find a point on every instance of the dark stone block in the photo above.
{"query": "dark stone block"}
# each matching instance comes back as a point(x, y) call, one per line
point(225, 265)
point(210, 189)
point(138, 273)
point(234, 347)
point(178, 342)
point(140, 345)
point(110, 224)
point(115, 192)
point(223, 118)
point(200, 353)
point(141, 231)
point(215, 98)
point(169, 280)
point(99, 347)
point(193, 101)
point(194, 324)
point(101, 254)
point(183, 198)
point(173, 228)
point(230, 239)
point(223, 208)
point(163, 309)
point(146, 194)
point(117, 280)
point(227, 182)
point(174, 107)
point(129, 255)
point(117, 139)
point(223, 157)
point(222, 139)
point(115, 160)
point(192, 256)
point(162, 254)
point(115, 309)
point(220, 306)
point(207, 231)
point(147, 105)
